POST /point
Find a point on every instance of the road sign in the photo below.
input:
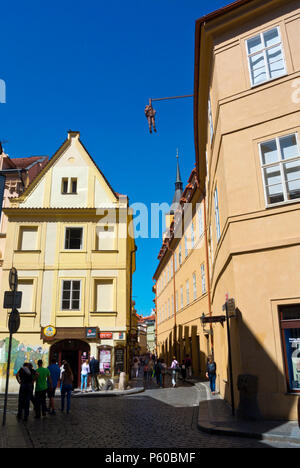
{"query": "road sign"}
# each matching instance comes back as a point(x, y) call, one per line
point(12, 299)
point(13, 279)
point(14, 321)
point(231, 307)
point(213, 319)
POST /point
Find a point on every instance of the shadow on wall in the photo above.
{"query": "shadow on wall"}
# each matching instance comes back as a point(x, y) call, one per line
point(259, 386)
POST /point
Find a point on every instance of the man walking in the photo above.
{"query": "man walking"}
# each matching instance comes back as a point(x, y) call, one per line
point(55, 375)
point(94, 370)
point(25, 379)
point(42, 379)
point(211, 373)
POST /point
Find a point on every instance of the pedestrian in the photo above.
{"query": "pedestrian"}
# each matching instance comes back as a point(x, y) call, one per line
point(66, 387)
point(158, 373)
point(150, 369)
point(55, 375)
point(145, 369)
point(33, 373)
point(211, 373)
point(95, 369)
point(25, 379)
point(188, 365)
point(85, 370)
point(183, 370)
point(163, 371)
point(136, 367)
point(42, 381)
point(174, 369)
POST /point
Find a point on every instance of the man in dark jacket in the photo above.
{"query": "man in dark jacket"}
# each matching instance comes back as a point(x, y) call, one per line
point(94, 368)
point(211, 373)
point(25, 379)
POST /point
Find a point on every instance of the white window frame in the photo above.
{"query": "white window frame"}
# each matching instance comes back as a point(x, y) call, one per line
point(194, 286)
point(200, 221)
point(187, 291)
point(65, 238)
point(203, 279)
point(217, 214)
point(280, 162)
point(192, 236)
point(264, 52)
point(71, 291)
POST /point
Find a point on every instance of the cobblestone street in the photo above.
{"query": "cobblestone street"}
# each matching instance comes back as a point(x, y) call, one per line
point(156, 418)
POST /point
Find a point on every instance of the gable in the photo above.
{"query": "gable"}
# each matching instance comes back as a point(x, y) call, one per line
point(70, 180)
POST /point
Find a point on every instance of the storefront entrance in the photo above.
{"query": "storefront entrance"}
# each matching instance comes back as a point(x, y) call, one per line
point(72, 351)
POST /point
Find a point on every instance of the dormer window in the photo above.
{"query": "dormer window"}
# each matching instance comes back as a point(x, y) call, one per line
point(69, 186)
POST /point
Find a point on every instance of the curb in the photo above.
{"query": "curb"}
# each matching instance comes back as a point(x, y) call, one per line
point(213, 429)
point(107, 393)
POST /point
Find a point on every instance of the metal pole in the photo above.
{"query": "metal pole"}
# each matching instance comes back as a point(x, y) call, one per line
point(7, 379)
point(230, 361)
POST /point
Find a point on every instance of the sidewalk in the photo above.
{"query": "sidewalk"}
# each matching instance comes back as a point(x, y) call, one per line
point(215, 417)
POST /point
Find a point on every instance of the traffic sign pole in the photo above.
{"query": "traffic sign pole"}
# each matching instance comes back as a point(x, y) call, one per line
point(13, 323)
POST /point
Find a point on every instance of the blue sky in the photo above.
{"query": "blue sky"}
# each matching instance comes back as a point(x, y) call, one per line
point(92, 66)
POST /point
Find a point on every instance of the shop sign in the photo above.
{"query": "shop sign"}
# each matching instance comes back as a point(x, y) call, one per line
point(105, 335)
point(119, 360)
point(49, 331)
point(91, 332)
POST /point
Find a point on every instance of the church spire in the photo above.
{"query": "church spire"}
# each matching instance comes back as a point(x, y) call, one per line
point(178, 186)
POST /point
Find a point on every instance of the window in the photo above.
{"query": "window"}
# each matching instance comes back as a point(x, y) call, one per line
point(265, 56)
point(290, 330)
point(179, 256)
point(68, 186)
point(104, 295)
point(181, 297)
point(217, 215)
point(171, 268)
point(203, 279)
point(26, 287)
point(64, 186)
point(176, 296)
point(175, 260)
point(71, 294)
point(194, 286)
point(187, 289)
point(200, 221)
point(186, 250)
point(74, 185)
point(172, 305)
point(28, 238)
point(280, 162)
point(73, 239)
point(192, 236)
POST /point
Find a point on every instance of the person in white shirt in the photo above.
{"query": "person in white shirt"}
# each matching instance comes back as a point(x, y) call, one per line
point(85, 370)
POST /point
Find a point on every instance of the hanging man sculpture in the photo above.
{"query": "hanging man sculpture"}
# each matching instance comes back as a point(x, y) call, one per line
point(150, 114)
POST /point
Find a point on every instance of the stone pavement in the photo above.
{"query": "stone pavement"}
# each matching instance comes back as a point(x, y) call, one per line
point(215, 417)
point(156, 418)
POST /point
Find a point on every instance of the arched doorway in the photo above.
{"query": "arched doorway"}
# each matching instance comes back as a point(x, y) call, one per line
point(72, 351)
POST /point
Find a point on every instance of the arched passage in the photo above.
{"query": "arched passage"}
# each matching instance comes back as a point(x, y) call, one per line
point(72, 351)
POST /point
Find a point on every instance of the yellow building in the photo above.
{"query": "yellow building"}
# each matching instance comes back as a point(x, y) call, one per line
point(67, 238)
point(246, 98)
point(181, 288)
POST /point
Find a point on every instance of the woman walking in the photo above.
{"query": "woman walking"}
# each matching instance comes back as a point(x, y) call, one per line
point(66, 386)
point(85, 370)
point(174, 370)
